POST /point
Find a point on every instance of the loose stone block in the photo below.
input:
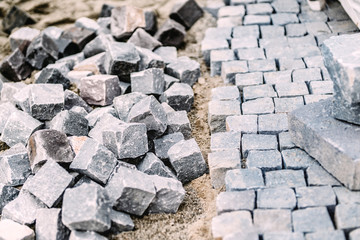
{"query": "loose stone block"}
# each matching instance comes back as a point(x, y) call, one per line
point(49, 225)
point(169, 195)
point(7, 194)
point(250, 53)
point(54, 76)
point(6, 109)
point(283, 236)
point(179, 96)
point(121, 59)
point(131, 191)
point(76, 142)
point(187, 161)
point(94, 64)
point(123, 22)
point(79, 235)
point(297, 159)
point(229, 69)
point(229, 201)
point(265, 160)
point(150, 112)
point(262, 65)
point(46, 100)
point(347, 216)
point(248, 79)
point(171, 33)
point(209, 44)
point(41, 52)
point(14, 67)
point(95, 161)
point(325, 130)
point(99, 89)
point(261, 91)
point(185, 69)
point(70, 122)
point(225, 141)
point(231, 222)
point(213, 7)
point(151, 21)
point(13, 230)
point(49, 183)
point(150, 81)
point(47, 145)
point(242, 123)
point(285, 141)
point(277, 77)
point(258, 142)
point(257, 20)
point(103, 124)
point(164, 143)
point(143, 39)
point(152, 165)
point(186, 13)
point(217, 57)
point(15, 17)
point(220, 162)
point(295, 30)
point(124, 103)
point(345, 196)
point(318, 176)
point(258, 106)
point(71, 100)
point(86, 207)
point(288, 104)
point(22, 37)
point(120, 222)
point(244, 42)
point(79, 36)
point(22, 209)
point(283, 19)
point(315, 197)
point(18, 128)
point(306, 75)
point(149, 59)
point(271, 31)
point(336, 235)
point(15, 166)
point(285, 178)
point(168, 54)
point(290, 64)
point(127, 140)
point(243, 179)
point(272, 220)
point(291, 89)
point(87, 23)
point(317, 28)
point(355, 234)
point(94, 116)
point(98, 45)
point(312, 220)
point(276, 198)
point(219, 111)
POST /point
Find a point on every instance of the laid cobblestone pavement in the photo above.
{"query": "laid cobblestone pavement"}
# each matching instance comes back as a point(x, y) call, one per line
point(270, 51)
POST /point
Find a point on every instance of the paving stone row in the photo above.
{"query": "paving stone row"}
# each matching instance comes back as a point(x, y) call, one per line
point(122, 147)
point(267, 52)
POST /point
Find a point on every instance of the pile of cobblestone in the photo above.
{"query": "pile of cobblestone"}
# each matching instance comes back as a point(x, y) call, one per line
point(85, 163)
point(270, 51)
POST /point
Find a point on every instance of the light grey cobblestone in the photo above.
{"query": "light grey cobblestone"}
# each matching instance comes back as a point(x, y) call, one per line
point(297, 159)
point(244, 42)
point(241, 31)
point(272, 220)
point(257, 19)
point(250, 53)
point(272, 31)
point(285, 105)
point(276, 198)
point(258, 142)
point(315, 98)
point(218, 111)
point(306, 75)
point(321, 87)
point(258, 106)
point(285, 141)
point(225, 141)
point(283, 236)
point(329, 235)
point(225, 93)
point(290, 64)
point(318, 176)
point(265, 160)
point(229, 201)
point(345, 196)
point(261, 91)
point(291, 89)
point(312, 220)
point(285, 178)
point(217, 57)
point(273, 42)
point(242, 123)
point(248, 79)
point(277, 77)
point(283, 19)
point(295, 30)
point(229, 69)
point(273, 123)
point(262, 65)
point(347, 216)
point(244, 179)
point(315, 197)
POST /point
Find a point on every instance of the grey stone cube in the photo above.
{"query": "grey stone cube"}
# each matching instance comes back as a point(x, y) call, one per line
point(7, 194)
point(98, 45)
point(306, 75)
point(271, 31)
point(150, 81)
point(149, 59)
point(49, 225)
point(279, 52)
point(244, 42)
point(240, 31)
point(179, 96)
point(229, 201)
point(94, 161)
point(168, 53)
point(250, 53)
point(169, 195)
point(86, 207)
point(336, 235)
point(88, 235)
point(318, 176)
point(258, 106)
point(70, 123)
point(283, 236)
point(258, 142)
point(124, 103)
point(242, 123)
point(297, 159)
point(345, 196)
point(18, 128)
point(121, 24)
point(257, 20)
point(283, 19)
point(312, 220)
point(276, 198)
point(290, 64)
point(171, 33)
point(186, 13)
point(277, 77)
point(259, 9)
point(295, 30)
point(209, 44)
point(244, 179)
point(291, 89)
point(164, 143)
point(285, 141)
point(102, 125)
point(52, 76)
point(23, 35)
point(265, 160)
point(6, 109)
point(217, 57)
point(47, 145)
point(248, 79)
point(232, 222)
point(229, 69)
point(120, 222)
point(285, 178)
point(347, 216)
point(152, 165)
point(225, 141)
point(219, 111)
point(355, 234)
point(187, 160)
point(302, 41)
point(261, 91)
point(15, 166)
point(220, 162)
point(150, 112)
point(267, 65)
point(13, 230)
point(286, 6)
point(315, 197)
point(131, 191)
point(280, 41)
point(143, 39)
point(272, 220)
point(71, 100)
point(317, 28)
point(94, 116)
point(94, 64)
point(14, 67)
point(288, 104)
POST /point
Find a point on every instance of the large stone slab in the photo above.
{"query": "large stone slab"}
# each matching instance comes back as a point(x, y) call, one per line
point(333, 143)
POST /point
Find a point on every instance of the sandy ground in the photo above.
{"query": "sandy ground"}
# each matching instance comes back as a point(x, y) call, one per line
point(193, 219)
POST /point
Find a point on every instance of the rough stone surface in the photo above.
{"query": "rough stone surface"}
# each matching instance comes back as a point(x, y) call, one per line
point(171, 33)
point(70, 122)
point(149, 59)
point(168, 53)
point(347, 216)
point(143, 39)
point(152, 165)
point(124, 103)
point(22, 36)
point(164, 143)
point(297, 159)
point(49, 224)
point(285, 178)
point(14, 67)
point(258, 142)
point(276, 198)
point(272, 220)
point(88, 235)
point(13, 230)
point(120, 222)
point(225, 141)
point(265, 160)
point(273, 123)
point(312, 220)
point(7, 194)
point(71, 100)
point(331, 235)
point(186, 13)
point(150, 81)
point(53, 76)
point(228, 201)
point(229, 70)
point(242, 123)
point(124, 21)
point(179, 96)
point(185, 69)
point(315, 197)
point(219, 111)
point(318, 176)
point(243, 179)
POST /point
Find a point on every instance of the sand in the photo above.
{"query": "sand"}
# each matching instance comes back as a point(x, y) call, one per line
point(193, 220)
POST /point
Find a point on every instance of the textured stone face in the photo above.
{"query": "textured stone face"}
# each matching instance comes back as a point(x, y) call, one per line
point(41, 52)
point(131, 191)
point(94, 116)
point(186, 159)
point(179, 96)
point(186, 13)
point(124, 21)
point(87, 208)
point(47, 145)
point(94, 64)
point(13, 230)
point(164, 143)
point(185, 69)
point(149, 59)
point(53, 76)
point(120, 222)
point(244, 179)
point(88, 235)
point(16, 17)
point(152, 165)
point(178, 121)
point(143, 39)
point(228, 201)
point(98, 45)
point(22, 36)
point(70, 123)
point(171, 33)
point(71, 100)
point(150, 81)
point(15, 67)
point(95, 161)
point(7, 194)
point(49, 183)
point(14, 165)
point(124, 103)
point(312, 220)
point(6, 108)
point(49, 224)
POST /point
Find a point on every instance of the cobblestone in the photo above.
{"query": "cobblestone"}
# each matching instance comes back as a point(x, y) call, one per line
point(297, 159)
point(276, 198)
point(286, 105)
point(248, 79)
point(225, 141)
point(258, 142)
point(315, 197)
point(273, 123)
point(285, 178)
point(250, 53)
point(258, 106)
point(242, 123)
point(272, 220)
point(261, 91)
point(229, 70)
point(312, 220)
point(306, 75)
point(244, 179)
point(321, 87)
point(265, 160)
point(272, 31)
point(262, 65)
point(229, 201)
point(277, 77)
point(291, 89)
